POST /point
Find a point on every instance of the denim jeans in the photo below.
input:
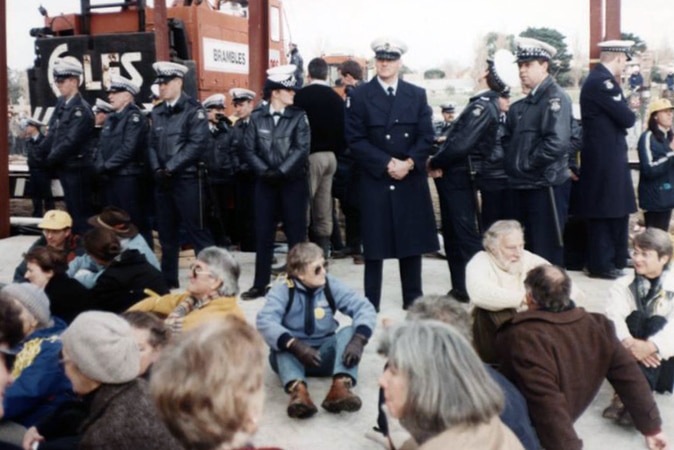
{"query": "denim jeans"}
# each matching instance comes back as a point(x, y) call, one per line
point(290, 368)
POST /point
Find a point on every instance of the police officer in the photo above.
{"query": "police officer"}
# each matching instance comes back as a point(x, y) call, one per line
point(221, 166)
point(244, 235)
point(536, 158)
point(390, 132)
point(277, 143)
point(40, 177)
point(447, 110)
point(120, 159)
point(66, 143)
point(467, 141)
point(606, 191)
point(179, 139)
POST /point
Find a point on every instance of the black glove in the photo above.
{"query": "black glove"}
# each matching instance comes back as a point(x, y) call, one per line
point(273, 176)
point(162, 179)
point(354, 350)
point(308, 356)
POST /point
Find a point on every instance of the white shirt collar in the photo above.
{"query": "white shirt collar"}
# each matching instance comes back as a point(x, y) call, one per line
point(385, 86)
point(321, 82)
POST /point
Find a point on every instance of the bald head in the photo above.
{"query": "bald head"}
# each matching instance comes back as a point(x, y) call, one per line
point(549, 287)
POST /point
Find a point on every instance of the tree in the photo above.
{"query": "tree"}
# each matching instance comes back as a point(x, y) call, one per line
point(560, 64)
point(14, 85)
point(639, 44)
point(434, 74)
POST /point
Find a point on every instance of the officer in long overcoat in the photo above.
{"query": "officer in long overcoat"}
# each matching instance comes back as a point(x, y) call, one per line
point(606, 189)
point(390, 134)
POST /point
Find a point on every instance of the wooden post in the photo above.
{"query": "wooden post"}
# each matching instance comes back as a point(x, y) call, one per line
point(258, 43)
point(161, 35)
point(4, 126)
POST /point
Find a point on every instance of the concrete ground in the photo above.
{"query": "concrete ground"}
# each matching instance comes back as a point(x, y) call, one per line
point(327, 431)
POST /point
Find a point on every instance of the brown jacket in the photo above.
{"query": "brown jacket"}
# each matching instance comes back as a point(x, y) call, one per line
point(123, 417)
point(559, 361)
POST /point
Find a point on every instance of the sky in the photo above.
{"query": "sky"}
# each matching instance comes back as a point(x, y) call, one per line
point(435, 31)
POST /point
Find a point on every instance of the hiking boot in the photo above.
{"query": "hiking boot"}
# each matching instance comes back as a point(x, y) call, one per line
point(626, 419)
point(615, 410)
point(340, 398)
point(300, 405)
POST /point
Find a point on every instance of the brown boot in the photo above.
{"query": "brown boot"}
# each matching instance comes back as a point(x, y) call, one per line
point(340, 397)
point(615, 410)
point(300, 406)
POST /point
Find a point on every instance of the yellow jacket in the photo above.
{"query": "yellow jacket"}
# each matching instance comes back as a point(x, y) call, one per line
point(216, 309)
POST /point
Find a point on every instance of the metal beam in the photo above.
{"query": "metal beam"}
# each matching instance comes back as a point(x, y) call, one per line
point(258, 43)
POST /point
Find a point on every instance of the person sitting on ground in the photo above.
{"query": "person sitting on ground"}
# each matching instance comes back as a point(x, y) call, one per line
point(46, 268)
point(152, 336)
point(438, 388)
point(299, 325)
point(515, 414)
point(209, 386)
point(56, 233)
point(211, 293)
point(11, 333)
point(40, 384)
point(641, 307)
point(125, 276)
point(558, 355)
point(115, 219)
point(101, 359)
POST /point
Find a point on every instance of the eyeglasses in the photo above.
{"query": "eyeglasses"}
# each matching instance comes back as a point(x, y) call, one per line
point(641, 253)
point(196, 270)
point(319, 267)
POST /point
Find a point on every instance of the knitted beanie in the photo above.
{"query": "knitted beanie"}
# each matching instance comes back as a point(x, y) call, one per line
point(103, 347)
point(33, 299)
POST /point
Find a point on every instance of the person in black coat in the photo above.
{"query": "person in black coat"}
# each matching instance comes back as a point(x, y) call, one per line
point(66, 143)
point(277, 144)
point(46, 268)
point(390, 134)
point(125, 277)
point(40, 177)
point(178, 141)
point(605, 185)
point(537, 143)
point(656, 166)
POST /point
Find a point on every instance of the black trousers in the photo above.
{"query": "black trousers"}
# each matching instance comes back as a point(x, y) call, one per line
point(459, 229)
point(220, 212)
point(658, 219)
point(289, 202)
point(177, 206)
point(533, 209)
point(496, 205)
point(40, 192)
point(607, 244)
point(410, 278)
point(129, 193)
point(244, 225)
point(77, 192)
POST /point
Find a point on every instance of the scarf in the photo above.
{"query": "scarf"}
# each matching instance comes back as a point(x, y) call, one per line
point(175, 320)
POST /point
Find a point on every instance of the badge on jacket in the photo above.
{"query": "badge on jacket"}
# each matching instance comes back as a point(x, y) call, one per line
point(555, 104)
point(135, 118)
point(608, 84)
point(201, 115)
point(478, 110)
point(319, 313)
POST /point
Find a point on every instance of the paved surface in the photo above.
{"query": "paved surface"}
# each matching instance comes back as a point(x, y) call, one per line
point(327, 431)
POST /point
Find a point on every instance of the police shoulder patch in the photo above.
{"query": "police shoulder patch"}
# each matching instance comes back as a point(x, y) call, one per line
point(477, 110)
point(201, 114)
point(135, 118)
point(608, 84)
point(555, 104)
point(78, 112)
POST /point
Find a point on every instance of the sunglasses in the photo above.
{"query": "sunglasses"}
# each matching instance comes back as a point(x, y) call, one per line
point(196, 270)
point(319, 267)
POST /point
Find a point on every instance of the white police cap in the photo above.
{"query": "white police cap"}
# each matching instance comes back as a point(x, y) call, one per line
point(388, 48)
point(215, 101)
point(103, 107)
point(67, 67)
point(503, 72)
point(167, 70)
point(281, 77)
point(448, 107)
point(618, 46)
point(118, 83)
point(241, 94)
point(529, 49)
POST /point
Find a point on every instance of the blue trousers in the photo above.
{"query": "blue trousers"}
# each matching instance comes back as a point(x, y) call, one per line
point(287, 202)
point(178, 206)
point(289, 368)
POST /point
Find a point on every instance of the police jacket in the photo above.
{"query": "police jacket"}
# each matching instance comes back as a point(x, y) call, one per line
point(122, 143)
point(492, 175)
point(656, 173)
point(221, 159)
point(34, 152)
point(70, 127)
point(472, 134)
point(538, 138)
point(284, 146)
point(179, 137)
point(238, 130)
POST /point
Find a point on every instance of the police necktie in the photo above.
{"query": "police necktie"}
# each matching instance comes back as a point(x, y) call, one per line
point(277, 117)
point(391, 95)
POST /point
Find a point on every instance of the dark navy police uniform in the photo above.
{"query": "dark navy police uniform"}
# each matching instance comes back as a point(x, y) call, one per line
point(40, 177)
